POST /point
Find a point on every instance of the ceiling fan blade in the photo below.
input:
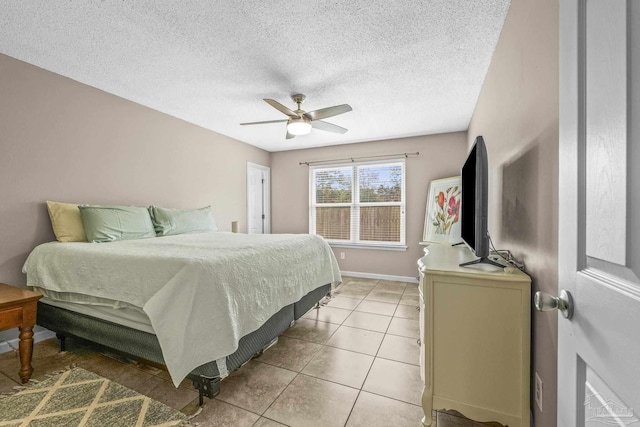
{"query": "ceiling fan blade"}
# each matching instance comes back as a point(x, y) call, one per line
point(264, 123)
point(281, 108)
point(290, 135)
point(324, 113)
point(329, 127)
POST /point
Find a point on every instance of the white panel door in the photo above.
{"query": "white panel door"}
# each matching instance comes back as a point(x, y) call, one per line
point(599, 213)
point(258, 197)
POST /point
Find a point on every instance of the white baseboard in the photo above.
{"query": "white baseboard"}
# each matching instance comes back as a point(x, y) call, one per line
point(380, 276)
point(41, 335)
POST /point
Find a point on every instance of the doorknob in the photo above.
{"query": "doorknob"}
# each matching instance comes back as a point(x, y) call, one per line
point(546, 302)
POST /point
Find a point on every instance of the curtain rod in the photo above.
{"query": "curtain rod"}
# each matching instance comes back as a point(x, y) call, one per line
point(353, 159)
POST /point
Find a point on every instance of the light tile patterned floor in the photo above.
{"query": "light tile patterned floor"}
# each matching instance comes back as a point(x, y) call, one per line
point(353, 362)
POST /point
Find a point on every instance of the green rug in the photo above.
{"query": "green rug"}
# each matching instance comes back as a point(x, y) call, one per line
point(82, 398)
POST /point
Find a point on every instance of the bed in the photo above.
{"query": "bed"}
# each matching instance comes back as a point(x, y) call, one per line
point(201, 304)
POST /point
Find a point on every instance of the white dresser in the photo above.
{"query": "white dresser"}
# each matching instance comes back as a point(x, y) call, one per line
point(475, 338)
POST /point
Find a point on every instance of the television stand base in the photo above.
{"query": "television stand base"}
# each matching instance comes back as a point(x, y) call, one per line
point(482, 260)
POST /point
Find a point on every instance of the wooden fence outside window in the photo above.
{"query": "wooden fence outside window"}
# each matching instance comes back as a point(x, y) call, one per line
point(377, 223)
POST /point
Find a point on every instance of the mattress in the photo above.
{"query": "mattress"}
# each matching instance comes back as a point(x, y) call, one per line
point(145, 345)
point(131, 317)
point(210, 288)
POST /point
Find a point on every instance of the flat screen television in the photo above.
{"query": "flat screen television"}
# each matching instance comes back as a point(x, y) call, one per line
point(473, 215)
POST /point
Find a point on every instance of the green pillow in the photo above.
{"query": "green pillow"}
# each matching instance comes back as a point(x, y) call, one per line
point(110, 223)
point(169, 222)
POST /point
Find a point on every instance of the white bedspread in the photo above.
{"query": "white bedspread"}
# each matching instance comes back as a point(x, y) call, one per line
point(202, 292)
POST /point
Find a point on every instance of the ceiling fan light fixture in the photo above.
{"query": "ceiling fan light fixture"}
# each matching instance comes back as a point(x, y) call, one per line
point(299, 126)
point(300, 122)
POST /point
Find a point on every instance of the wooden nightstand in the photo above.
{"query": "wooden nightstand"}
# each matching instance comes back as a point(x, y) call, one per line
point(18, 310)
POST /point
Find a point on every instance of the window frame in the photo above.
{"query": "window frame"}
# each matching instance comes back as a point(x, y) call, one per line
point(355, 205)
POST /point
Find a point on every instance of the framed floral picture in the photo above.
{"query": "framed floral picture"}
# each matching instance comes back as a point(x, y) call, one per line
point(442, 217)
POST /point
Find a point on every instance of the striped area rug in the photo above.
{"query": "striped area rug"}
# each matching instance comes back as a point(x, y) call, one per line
point(81, 398)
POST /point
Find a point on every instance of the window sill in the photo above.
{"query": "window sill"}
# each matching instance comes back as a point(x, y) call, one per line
point(366, 246)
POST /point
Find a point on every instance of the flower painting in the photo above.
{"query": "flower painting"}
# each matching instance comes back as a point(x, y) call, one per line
point(442, 218)
point(447, 210)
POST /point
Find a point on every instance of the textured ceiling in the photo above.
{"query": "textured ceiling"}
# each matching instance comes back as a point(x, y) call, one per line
point(406, 67)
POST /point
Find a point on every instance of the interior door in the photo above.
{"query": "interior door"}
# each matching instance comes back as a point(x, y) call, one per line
point(599, 212)
point(258, 198)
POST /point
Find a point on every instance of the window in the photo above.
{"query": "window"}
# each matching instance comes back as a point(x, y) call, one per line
point(359, 203)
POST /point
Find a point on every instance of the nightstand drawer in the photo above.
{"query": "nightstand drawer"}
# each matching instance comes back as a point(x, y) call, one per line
point(11, 318)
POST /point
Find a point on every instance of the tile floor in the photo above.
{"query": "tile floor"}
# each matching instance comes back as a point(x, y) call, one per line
point(353, 362)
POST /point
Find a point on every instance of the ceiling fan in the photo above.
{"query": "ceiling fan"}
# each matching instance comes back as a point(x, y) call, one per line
point(300, 122)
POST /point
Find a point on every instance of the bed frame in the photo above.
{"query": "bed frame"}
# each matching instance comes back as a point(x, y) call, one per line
point(143, 345)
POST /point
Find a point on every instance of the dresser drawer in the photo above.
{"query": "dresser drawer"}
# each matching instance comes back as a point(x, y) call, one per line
point(11, 318)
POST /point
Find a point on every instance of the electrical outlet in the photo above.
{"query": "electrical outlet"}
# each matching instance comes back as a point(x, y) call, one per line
point(538, 392)
point(342, 255)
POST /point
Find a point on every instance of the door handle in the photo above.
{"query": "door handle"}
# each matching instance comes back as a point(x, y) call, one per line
point(546, 302)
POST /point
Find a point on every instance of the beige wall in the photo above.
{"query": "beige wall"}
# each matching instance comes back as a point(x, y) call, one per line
point(440, 156)
point(65, 141)
point(517, 113)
